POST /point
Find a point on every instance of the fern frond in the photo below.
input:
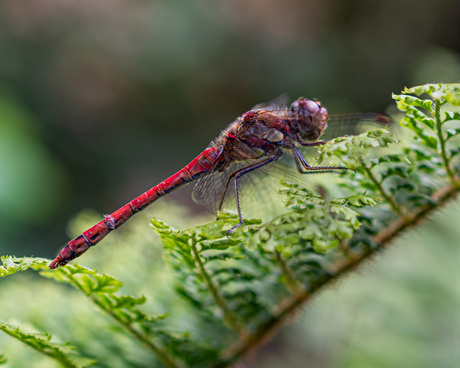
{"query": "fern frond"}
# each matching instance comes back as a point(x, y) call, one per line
point(63, 353)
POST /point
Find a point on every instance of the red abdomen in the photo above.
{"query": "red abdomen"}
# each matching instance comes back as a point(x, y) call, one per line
point(200, 165)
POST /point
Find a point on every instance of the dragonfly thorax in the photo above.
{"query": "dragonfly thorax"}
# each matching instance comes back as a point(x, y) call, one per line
point(310, 119)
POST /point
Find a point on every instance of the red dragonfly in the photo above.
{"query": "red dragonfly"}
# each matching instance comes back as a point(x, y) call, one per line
point(254, 141)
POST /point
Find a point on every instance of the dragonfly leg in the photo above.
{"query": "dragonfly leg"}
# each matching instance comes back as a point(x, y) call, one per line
point(239, 173)
point(311, 144)
point(304, 168)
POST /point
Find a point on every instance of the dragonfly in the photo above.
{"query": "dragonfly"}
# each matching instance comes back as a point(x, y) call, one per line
point(254, 142)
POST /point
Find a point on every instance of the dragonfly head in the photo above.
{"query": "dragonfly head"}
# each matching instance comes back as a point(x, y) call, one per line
point(311, 118)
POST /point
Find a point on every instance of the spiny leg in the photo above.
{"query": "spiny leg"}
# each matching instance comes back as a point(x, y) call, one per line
point(225, 188)
point(302, 164)
point(311, 144)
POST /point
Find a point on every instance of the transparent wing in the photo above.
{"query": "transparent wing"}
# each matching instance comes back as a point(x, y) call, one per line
point(278, 103)
point(258, 190)
point(354, 124)
point(347, 125)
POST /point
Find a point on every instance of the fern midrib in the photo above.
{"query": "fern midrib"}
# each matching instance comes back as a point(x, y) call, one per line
point(229, 317)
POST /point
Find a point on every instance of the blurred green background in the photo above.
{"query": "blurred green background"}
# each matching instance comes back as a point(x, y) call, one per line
point(99, 101)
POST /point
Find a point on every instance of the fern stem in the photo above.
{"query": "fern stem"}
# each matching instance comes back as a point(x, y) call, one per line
point(229, 317)
point(161, 353)
point(381, 190)
point(442, 142)
point(292, 283)
point(440, 198)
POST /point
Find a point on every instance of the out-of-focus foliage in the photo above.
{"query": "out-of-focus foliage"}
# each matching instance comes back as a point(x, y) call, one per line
point(228, 293)
point(22, 157)
point(41, 342)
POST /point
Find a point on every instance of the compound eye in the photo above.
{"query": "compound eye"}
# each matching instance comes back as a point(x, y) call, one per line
point(310, 106)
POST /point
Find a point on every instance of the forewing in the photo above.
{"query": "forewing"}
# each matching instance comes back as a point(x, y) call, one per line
point(346, 125)
point(354, 124)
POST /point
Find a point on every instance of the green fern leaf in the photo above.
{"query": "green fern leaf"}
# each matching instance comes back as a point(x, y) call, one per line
point(63, 353)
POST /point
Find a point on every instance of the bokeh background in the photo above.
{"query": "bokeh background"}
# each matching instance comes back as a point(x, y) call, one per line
point(100, 100)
